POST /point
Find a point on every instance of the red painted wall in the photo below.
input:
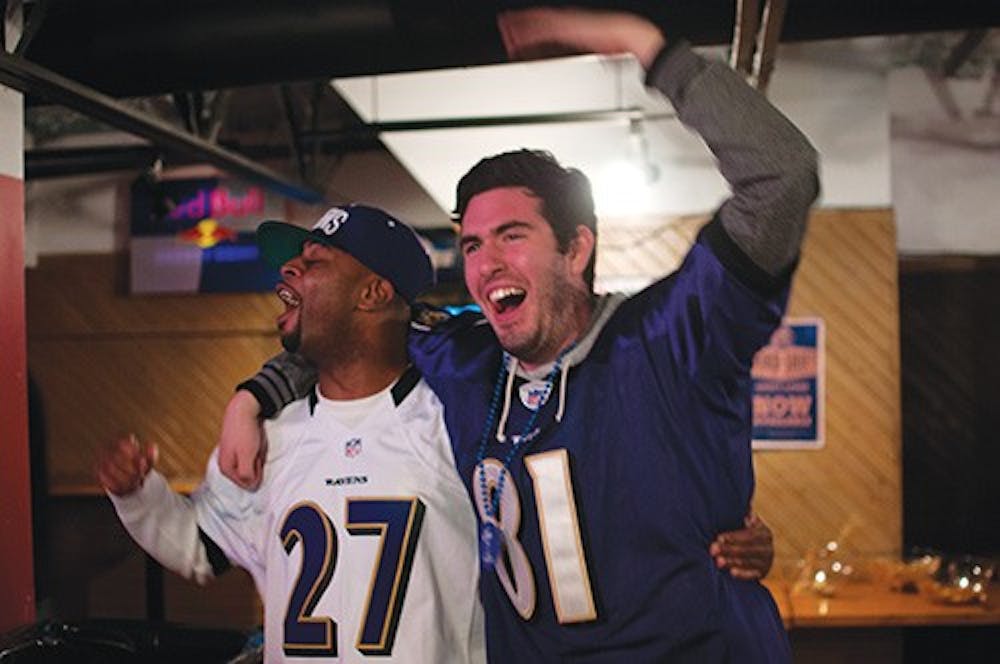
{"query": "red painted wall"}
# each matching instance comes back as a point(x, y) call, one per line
point(17, 594)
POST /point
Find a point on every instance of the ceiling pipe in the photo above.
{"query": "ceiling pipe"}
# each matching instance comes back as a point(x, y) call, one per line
point(45, 163)
point(31, 79)
point(42, 163)
point(376, 128)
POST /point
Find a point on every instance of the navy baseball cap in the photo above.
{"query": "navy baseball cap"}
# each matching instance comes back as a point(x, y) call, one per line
point(382, 243)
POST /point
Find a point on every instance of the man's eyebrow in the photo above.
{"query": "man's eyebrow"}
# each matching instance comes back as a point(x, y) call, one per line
point(499, 230)
point(510, 225)
point(310, 246)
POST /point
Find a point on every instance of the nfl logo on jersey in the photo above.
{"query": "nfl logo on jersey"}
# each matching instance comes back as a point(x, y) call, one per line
point(352, 448)
point(534, 394)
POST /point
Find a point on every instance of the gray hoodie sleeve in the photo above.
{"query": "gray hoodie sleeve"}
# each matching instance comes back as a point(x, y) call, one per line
point(769, 164)
point(284, 378)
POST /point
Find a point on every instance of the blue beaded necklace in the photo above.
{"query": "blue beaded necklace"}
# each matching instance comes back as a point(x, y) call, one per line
point(489, 534)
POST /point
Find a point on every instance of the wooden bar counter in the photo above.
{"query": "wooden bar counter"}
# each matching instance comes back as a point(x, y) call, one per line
point(866, 621)
point(867, 604)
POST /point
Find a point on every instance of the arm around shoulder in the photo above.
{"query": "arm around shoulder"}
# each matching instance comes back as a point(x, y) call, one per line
point(283, 379)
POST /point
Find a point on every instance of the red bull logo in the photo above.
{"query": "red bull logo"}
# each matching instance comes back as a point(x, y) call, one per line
point(207, 233)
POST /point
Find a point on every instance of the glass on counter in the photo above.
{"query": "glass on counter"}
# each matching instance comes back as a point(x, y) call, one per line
point(960, 579)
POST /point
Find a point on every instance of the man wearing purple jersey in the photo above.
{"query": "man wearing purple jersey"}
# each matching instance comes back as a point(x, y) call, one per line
point(605, 440)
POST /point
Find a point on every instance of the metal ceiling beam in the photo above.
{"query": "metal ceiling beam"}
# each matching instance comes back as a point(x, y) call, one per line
point(294, 130)
point(373, 129)
point(61, 162)
point(755, 39)
point(42, 163)
point(29, 78)
point(963, 49)
point(744, 36)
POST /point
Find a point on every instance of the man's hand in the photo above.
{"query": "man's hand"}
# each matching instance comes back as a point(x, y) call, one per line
point(747, 553)
point(546, 32)
point(242, 446)
point(123, 465)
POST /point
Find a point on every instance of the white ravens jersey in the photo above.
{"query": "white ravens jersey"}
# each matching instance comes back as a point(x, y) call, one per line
point(361, 538)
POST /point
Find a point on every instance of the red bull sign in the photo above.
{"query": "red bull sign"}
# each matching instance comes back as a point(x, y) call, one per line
point(219, 202)
point(197, 236)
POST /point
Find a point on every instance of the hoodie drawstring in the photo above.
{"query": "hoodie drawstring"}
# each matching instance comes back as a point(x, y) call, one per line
point(564, 379)
point(505, 411)
point(509, 390)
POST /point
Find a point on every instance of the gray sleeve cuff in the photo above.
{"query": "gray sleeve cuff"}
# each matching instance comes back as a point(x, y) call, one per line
point(283, 379)
point(673, 69)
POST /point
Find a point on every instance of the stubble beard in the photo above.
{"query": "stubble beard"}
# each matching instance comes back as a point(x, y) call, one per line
point(548, 331)
point(326, 345)
point(292, 341)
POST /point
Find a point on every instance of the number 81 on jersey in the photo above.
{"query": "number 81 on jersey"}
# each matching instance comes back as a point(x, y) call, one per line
point(565, 560)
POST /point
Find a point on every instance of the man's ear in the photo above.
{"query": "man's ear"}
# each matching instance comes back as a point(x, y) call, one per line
point(580, 249)
point(377, 294)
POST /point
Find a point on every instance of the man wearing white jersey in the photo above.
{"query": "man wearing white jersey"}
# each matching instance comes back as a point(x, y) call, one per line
point(359, 537)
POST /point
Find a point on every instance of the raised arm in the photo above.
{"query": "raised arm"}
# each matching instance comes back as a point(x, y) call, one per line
point(769, 165)
point(161, 521)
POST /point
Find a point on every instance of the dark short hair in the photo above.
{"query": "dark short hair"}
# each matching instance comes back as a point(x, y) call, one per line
point(566, 198)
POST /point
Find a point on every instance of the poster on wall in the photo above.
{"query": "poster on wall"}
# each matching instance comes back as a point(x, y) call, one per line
point(197, 236)
point(787, 383)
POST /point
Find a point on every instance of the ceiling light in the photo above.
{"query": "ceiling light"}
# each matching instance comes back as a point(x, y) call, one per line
point(624, 186)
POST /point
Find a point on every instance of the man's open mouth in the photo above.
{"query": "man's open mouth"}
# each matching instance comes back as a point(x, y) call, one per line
point(288, 296)
point(506, 299)
point(291, 300)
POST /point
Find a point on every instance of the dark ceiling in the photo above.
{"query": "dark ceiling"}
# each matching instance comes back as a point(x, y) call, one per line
point(146, 47)
point(272, 59)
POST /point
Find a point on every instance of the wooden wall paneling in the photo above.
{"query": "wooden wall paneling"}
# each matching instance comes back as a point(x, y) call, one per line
point(106, 363)
point(847, 276)
point(168, 391)
point(87, 294)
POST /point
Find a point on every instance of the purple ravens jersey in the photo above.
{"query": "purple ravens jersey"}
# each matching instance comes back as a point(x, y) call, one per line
point(607, 514)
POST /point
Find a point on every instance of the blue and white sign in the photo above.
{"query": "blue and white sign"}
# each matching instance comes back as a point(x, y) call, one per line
point(788, 391)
